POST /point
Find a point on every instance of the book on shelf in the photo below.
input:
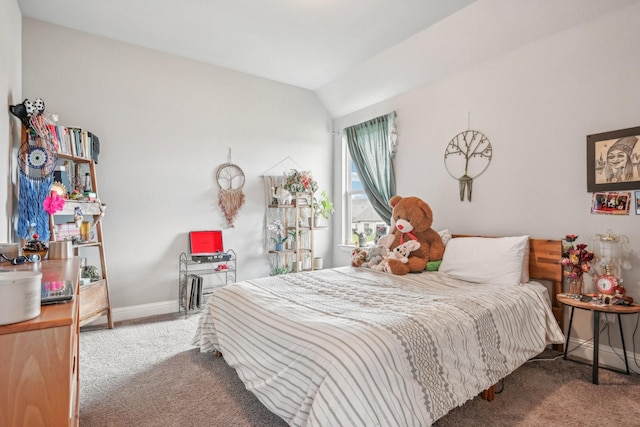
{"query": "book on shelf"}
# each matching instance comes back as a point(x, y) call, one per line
point(68, 140)
point(187, 292)
point(199, 298)
point(66, 231)
point(193, 292)
point(196, 290)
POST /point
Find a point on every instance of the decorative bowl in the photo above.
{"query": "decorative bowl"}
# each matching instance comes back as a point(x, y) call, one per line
point(28, 252)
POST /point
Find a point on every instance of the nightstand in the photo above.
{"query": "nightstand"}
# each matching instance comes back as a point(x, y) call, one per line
point(596, 309)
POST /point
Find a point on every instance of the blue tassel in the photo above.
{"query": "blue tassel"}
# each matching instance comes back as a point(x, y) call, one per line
point(30, 210)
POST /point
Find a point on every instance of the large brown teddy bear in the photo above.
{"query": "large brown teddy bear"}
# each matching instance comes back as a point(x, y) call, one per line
point(412, 219)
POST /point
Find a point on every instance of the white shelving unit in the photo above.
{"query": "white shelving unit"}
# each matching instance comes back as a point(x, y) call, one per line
point(297, 218)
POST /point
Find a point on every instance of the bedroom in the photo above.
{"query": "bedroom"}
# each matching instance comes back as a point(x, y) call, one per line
point(166, 123)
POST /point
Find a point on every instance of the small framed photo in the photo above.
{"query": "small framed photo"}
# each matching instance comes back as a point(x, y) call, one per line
point(611, 203)
point(612, 160)
point(637, 202)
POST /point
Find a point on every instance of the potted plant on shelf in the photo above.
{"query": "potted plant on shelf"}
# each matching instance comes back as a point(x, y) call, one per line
point(322, 208)
point(279, 269)
point(360, 238)
point(280, 232)
point(294, 236)
point(90, 272)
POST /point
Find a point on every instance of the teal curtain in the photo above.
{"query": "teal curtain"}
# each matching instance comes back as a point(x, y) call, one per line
point(371, 145)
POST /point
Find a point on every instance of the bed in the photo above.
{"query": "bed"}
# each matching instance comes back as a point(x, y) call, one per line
point(355, 347)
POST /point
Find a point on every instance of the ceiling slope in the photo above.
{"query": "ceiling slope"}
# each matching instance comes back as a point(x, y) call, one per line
point(304, 43)
point(352, 53)
point(485, 29)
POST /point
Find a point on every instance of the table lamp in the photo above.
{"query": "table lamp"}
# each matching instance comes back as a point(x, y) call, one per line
point(611, 254)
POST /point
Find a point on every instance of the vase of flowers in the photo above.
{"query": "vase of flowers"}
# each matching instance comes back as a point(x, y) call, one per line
point(280, 234)
point(577, 260)
point(576, 285)
point(296, 181)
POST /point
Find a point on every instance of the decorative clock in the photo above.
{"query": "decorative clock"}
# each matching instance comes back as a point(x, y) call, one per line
point(59, 188)
point(606, 285)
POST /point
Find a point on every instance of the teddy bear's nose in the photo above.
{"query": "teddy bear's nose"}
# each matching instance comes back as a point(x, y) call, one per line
point(400, 227)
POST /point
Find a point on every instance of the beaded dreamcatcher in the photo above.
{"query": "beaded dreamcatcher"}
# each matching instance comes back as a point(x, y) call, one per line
point(230, 179)
point(37, 159)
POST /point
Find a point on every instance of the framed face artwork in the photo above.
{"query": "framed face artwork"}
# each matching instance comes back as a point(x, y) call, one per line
point(613, 160)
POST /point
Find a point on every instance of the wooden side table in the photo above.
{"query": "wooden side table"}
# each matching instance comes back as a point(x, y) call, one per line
point(596, 309)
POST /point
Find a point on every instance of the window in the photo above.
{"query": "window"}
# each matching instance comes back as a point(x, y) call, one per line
point(365, 225)
point(368, 178)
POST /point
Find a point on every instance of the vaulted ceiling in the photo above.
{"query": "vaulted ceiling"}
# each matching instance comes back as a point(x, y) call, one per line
point(350, 52)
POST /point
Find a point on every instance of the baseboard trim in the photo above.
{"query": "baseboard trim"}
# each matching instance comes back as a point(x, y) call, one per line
point(608, 357)
point(140, 311)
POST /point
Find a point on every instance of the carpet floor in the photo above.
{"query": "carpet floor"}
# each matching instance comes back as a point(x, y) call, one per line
point(147, 373)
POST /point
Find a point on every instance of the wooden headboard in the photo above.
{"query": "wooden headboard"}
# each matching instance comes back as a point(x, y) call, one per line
point(544, 264)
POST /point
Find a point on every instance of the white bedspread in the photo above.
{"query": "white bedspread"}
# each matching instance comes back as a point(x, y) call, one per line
point(355, 347)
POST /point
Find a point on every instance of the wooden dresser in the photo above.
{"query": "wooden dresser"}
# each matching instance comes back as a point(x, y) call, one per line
point(39, 382)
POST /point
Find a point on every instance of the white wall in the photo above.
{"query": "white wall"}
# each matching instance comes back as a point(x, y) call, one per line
point(165, 125)
point(536, 104)
point(11, 84)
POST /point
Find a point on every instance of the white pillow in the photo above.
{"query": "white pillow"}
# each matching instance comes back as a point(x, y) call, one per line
point(493, 260)
point(445, 235)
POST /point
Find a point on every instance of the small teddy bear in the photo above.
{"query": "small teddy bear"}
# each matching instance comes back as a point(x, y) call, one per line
point(359, 256)
point(379, 253)
point(401, 252)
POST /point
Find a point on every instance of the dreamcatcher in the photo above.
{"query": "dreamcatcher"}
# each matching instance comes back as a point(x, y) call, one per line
point(463, 148)
point(37, 159)
point(230, 180)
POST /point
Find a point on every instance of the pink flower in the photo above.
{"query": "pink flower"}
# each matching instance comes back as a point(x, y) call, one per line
point(53, 203)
